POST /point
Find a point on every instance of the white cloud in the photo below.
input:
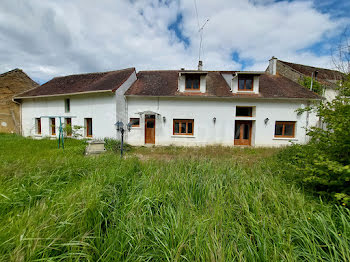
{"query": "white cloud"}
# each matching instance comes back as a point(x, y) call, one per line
point(50, 38)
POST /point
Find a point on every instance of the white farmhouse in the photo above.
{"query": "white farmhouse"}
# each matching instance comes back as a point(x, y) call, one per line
point(173, 107)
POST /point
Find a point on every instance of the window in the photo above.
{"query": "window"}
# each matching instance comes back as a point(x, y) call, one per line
point(88, 127)
point(67, 105)
point(53, 126)
point(245, 83)
point(285, 129)
point(192, 82)
point(69, 126)
point(244, 111)
point(183, 127)
point(135, 122)
point(38, 126)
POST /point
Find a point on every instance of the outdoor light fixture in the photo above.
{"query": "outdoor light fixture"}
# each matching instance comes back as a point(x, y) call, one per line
point(266, 120)
point(120, 128)
point(214, 119)
point(164, 119)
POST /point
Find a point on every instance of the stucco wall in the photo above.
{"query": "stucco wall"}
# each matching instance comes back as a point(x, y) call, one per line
point(121, 106)
point(222, 132)
point(330, 93)
point(101, 107)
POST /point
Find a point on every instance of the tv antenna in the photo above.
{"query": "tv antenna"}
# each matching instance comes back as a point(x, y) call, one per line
point(200, 31)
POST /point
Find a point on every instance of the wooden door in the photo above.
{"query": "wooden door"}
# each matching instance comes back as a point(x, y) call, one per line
point(150, 128)
point(243, 133)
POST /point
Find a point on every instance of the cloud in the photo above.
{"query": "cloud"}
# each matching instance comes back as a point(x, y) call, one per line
point(51, 38)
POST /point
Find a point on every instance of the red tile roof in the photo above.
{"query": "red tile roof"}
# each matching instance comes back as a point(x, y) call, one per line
point(93, 82)
point(165, 83)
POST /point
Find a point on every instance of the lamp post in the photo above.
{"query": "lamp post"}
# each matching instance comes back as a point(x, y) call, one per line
point(120, 128)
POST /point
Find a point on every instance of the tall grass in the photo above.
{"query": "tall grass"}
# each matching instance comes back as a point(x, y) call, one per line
point(60, 205)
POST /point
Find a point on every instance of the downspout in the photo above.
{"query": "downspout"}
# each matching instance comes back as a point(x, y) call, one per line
point(307, 122)
point(20, 115)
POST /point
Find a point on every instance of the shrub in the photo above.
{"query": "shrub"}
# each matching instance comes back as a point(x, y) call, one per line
point(114, 145)
point(324, 163)
point(316, 86)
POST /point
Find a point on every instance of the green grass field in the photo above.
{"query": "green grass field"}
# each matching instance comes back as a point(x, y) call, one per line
point(160, 204)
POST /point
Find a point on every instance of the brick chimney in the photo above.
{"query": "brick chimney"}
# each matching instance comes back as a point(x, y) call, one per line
point(273, 66)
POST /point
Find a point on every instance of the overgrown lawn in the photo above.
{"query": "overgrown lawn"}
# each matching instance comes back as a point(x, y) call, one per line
point(159, 204)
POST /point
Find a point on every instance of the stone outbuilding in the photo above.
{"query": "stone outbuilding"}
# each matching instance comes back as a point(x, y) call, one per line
point(12, 83)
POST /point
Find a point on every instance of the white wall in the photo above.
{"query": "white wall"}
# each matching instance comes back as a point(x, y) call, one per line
point(101, 107)
point(330, 94)
point(222, 132)
point(121, 106)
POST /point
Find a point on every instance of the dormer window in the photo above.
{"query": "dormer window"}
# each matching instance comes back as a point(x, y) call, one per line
point(245, 83)
point(192, 82)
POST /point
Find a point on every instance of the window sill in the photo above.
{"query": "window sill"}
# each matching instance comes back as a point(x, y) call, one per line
point(192, 91)
point(285, 138)
point(246, 91)
point(183, 136)
point(38, 135)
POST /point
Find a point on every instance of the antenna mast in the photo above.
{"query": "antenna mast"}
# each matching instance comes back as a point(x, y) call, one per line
point(200, 31)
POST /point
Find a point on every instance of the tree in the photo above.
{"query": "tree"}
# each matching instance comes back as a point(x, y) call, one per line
point(325, 161)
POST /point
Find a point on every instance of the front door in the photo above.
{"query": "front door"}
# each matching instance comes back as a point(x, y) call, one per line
point(243, 133)
point(150, 128)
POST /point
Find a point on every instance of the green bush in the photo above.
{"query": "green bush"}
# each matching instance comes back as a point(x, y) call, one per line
point(324, 164)
point(316, 86)
point(114, 145)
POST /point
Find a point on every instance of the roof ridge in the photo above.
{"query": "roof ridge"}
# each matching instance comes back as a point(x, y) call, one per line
point(105, 72)
point(310, 66)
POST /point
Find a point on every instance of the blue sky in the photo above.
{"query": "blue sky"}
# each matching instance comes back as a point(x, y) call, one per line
point(54, 38)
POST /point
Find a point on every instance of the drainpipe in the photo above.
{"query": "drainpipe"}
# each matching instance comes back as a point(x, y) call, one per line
point(307, 122)
point(20, 115)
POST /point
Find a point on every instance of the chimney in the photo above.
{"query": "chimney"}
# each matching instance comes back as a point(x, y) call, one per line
point(200, 65)
point(273, 66)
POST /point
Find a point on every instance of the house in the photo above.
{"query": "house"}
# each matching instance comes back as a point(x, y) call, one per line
point(174, 107)
point(91, 101)
point(326, 77)
point(12, 83)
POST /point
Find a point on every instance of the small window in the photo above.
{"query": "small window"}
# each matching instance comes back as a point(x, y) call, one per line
point(135, 122)
point(67, 105)
point(245, 83)
point(183, 127)
point(69, 126)
point(285, 129)
point(192, 82)
point(244, 111)
point(53, 126)
point(38, 126)
point(88, 127)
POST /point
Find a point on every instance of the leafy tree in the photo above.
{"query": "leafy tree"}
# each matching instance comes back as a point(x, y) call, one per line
point(325, 162)
point(316, 86)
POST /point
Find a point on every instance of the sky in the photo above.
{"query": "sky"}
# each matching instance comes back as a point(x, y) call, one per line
point(61, 37)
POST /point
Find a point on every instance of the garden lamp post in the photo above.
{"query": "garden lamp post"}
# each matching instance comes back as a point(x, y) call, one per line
point(120, 128)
